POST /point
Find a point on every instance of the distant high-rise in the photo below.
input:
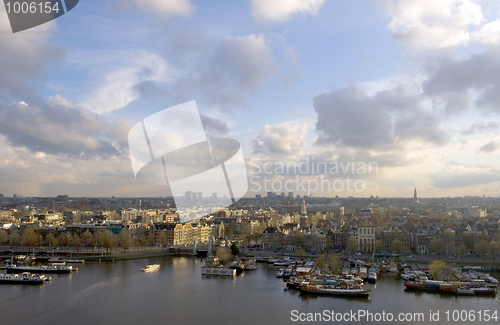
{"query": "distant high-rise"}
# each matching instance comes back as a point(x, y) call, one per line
point(290, 195)
point(214, 195)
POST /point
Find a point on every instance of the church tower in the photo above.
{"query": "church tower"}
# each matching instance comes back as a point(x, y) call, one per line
point(303, 210)
point(415, 198)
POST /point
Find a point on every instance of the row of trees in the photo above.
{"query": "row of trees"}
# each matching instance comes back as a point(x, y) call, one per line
point(103, 238)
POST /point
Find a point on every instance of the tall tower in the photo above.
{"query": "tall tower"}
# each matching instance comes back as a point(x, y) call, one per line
point(303, 210)
point(415, 198)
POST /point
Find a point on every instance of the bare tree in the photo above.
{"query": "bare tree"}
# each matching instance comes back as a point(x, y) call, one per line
point(14, 237)
point(125, 238)
point(88, 239)
point(30, 237)
point(3, 237)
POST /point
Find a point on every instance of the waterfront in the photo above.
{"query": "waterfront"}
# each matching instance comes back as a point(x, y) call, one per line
point(119, 293)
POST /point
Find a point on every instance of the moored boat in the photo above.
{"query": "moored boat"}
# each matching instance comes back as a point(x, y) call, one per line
point(341, 289)
point(372, 275)
point(23, 278)
point(13, 268)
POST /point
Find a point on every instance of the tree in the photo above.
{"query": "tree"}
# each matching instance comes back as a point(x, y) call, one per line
point(379, 245)
point(88, 239)
point(234, 249)
point(328, 261)
point(223, 254)
point(437, 269)
point(107, 239)
point(397, 245)
point(125, 238)
point(76, 242)
point(14, 237)
point(30, 237)
point(162, 238)
point(3, 237)
point(437, 245)
point(482, 247)
point(51, 240)
point(462, 249)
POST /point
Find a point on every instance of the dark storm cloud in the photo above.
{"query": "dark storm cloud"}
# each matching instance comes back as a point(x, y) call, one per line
point(213, 126)
point(348, 117)
point(452, 78)
point(58, 129)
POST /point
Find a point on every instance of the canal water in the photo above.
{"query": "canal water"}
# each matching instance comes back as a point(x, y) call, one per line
point(119, 293)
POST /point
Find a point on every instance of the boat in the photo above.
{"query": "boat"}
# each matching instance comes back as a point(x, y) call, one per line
point(150, 268)
point(23, 278)
point(14, 268)
point(372, 275)
point(465, 291)
point(484, 291)
point(340, 289)
point(279, 273)
point(281, 263)
point(363, 273)
point(205, 270)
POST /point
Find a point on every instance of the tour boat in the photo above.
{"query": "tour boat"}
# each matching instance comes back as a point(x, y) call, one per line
point(150, 268)
point(23, 278)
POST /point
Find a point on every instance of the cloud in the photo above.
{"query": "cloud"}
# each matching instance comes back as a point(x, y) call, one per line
point(489, 147)
point(24, 56)
point(283, 10)
point(481, 127)
point(450, 78)
point(132, 76)
point(161, 8)
point(213, 126)
point(280, 141)
point(60, 129)
point(456, 174)
point(239, 67)
point(348, 117)
point(432, 25)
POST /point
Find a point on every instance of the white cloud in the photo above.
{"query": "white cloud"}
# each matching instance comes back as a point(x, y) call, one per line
point(162, 8)
point(280, 141)
point(434, 24)
point(122, 84)
point(282, 10)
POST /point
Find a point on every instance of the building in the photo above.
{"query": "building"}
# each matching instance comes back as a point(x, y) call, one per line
point(272, 238)
point(366, 238)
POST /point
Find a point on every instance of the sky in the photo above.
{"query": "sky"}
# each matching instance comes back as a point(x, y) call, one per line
point(406, 92)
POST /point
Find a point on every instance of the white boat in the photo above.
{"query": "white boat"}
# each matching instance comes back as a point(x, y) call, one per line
point(363, 273)
point(150, 268)
point(279, 273)
point(23, 278)
point(372, 275)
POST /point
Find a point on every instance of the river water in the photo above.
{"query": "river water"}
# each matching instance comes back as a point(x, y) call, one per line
point(119, 293)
